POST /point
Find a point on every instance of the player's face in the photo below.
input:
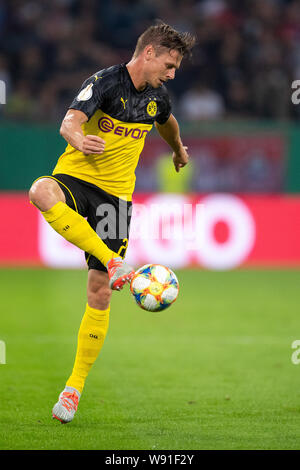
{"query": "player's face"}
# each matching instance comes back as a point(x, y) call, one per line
point(162, 67)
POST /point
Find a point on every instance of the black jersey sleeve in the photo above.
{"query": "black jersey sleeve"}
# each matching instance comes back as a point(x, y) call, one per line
point(89, 97)
point(166, 108)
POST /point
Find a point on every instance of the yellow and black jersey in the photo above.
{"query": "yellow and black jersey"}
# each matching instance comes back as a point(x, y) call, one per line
point(122, 116)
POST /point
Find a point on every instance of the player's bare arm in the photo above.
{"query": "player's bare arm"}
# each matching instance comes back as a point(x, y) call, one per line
point(170, 133)
point(71, 130)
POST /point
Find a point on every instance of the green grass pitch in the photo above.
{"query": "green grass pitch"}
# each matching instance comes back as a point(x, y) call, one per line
point(212, 372)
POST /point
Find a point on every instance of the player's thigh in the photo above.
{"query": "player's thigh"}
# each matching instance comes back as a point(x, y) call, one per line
point(110, 217)
point(98, 291)
point(45, 193)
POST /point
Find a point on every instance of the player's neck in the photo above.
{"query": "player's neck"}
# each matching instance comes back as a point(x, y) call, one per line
point(135, 71)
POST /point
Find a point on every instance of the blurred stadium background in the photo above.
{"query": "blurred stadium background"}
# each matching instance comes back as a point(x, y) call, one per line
point(233, 103)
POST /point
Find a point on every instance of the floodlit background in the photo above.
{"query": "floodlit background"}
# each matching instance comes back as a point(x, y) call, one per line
point(215, 370)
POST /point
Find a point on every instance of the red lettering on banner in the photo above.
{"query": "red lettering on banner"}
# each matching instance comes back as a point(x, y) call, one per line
point(274, 240)
point(221, 231)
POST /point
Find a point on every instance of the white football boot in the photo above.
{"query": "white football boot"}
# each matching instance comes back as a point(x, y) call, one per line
point(66, 407)
point(119, 273)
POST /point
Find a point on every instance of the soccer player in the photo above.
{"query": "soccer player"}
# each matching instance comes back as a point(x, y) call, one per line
point(105, 128)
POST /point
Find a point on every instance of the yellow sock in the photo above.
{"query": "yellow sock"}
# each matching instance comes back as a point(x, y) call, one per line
point(91, 337)
point(74, 228)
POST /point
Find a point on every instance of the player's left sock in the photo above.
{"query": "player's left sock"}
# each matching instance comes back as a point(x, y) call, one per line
point(91, 335)
point(76, 229)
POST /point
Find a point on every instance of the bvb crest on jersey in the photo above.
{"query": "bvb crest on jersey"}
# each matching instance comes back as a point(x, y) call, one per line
point(152, 108)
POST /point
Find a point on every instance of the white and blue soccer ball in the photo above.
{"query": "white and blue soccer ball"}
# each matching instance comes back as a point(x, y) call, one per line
point(154, 287)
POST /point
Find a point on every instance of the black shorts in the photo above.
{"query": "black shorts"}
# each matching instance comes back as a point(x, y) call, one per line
point(108, 215)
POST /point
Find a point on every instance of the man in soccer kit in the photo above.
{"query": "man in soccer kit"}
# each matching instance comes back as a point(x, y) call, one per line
point(105, 127)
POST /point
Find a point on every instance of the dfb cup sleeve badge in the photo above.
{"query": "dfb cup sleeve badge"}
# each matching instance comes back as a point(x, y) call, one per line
point(152, 108)
point(86, 93)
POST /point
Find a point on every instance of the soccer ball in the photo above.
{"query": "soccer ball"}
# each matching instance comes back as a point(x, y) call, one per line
point(154, 287)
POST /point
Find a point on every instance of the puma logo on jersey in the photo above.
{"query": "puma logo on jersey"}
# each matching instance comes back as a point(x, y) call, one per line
point(124, 102)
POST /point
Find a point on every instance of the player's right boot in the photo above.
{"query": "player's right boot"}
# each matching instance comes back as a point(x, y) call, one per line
point(119, 273)
point(66, 407)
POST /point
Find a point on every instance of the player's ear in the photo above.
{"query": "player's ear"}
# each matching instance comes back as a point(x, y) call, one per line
point(149, 52)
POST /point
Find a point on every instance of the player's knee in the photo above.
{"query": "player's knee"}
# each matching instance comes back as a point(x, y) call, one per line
point(99, 299)
point(45, 193)
point(98, 293)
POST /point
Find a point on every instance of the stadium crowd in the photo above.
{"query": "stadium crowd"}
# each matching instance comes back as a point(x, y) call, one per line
point(245, 60)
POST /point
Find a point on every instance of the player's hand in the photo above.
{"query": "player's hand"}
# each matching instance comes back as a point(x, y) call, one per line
point(92, 144)
point(180, 158)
